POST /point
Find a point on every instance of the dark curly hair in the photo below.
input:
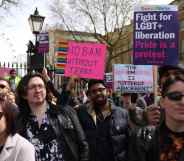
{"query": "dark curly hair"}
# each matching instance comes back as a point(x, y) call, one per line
point(21, 92)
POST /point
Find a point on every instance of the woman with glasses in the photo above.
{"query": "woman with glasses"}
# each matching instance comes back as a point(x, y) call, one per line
point(165, 142)
point(55, 132)
point(13, 147)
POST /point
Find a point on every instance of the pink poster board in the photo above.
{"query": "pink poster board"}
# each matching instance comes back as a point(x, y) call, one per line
point(86, 60)
point(4, 71)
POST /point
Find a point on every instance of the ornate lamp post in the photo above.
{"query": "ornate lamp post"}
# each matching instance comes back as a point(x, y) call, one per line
point(35, 60)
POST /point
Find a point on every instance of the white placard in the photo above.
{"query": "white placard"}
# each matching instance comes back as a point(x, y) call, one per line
point(133, 78)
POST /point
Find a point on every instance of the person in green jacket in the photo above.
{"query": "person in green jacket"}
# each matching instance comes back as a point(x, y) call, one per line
point(13, 79)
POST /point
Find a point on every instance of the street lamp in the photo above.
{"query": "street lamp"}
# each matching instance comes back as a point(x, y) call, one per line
point(36, 23)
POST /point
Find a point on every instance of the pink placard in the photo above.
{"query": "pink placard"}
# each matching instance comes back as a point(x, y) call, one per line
point(86, 60)
point(4, 71)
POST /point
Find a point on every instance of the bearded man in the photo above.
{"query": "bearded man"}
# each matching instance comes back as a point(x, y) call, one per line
point(105, 125)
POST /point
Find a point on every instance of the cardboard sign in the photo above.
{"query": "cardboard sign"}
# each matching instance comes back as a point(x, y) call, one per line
point(133, 78)
point(4, 71)
point(86, 60)
point(156, 29)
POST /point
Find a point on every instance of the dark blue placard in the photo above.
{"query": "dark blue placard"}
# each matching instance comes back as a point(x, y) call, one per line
point(156, 37)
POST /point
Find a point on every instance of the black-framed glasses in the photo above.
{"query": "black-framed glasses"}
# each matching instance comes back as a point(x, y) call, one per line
point(1, 115)
point(39, 86)
point(174, 96)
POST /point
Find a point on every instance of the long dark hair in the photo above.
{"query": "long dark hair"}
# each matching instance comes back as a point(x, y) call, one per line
point(21, 92)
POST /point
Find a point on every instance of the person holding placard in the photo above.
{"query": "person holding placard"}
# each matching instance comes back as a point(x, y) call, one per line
point(152, 114)
point(166, 141)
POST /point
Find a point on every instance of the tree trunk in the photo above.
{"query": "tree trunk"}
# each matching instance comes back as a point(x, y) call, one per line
point(108, 67)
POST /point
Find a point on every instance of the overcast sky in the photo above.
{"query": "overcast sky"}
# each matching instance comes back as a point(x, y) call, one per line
point(15, 32)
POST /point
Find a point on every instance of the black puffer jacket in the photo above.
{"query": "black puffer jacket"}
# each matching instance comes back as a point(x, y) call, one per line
point(144, 143)
point(68, 130)
point(118, 132)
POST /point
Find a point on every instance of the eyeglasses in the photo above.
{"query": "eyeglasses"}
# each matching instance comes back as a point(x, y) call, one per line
point(1, 115)
point(39, 86)
point(174, 96)
point(94, 91)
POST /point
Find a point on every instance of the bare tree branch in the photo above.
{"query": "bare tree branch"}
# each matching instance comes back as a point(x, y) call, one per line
point(6, 3)
point(106, 19)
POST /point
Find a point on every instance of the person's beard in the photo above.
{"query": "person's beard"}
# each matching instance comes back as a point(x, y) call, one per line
point(100, 102)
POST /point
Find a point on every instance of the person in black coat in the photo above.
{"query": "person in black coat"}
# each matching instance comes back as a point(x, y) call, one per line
point(55, 132)
point(164, 142)
point(105, 125)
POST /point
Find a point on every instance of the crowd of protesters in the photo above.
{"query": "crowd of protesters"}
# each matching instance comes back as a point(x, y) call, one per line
point(38, 123)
